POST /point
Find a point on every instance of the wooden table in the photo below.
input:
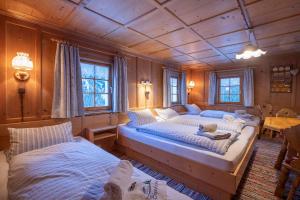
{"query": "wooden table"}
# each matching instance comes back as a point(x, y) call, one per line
point(280, 124)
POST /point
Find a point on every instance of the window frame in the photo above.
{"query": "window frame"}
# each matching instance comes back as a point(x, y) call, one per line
point(219, 77)
point(178, 90)
point(100, 108)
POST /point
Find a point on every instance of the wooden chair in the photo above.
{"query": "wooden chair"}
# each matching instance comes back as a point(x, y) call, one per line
point(291, 164)
point(264, 111)
point(286, 112)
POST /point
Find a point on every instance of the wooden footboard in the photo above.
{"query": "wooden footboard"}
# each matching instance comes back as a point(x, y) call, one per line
point(215, 183)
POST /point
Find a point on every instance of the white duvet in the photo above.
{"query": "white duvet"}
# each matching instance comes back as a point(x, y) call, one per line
point(196, 120)
point(74, 170)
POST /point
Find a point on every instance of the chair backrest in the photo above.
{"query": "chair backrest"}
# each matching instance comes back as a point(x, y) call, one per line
point(265, 110)
point(293, 138)
point(286, 112)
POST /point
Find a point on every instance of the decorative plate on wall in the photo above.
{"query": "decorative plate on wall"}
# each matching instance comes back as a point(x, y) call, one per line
point(281, 79)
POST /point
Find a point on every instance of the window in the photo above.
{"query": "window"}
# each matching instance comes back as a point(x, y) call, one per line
point(230, 90)
point(96, 85)
point(174, 90)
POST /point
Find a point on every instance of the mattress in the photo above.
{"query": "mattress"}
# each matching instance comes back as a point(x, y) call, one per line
point(74, 170)
point(227, 162)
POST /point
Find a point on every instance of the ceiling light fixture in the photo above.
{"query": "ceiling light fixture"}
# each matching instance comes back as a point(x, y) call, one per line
point(250, 50)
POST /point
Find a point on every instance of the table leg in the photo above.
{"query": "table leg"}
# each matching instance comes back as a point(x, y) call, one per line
point(281, 155)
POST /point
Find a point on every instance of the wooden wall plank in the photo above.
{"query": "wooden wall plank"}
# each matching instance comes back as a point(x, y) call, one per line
point(26, 39)
point(132, 87)
point(157, 84)
point(262, 84)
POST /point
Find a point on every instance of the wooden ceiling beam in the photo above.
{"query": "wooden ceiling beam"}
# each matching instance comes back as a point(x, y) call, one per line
point(248, 24)
point(163, 8)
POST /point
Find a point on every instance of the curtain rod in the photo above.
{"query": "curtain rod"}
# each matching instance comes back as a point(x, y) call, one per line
point(84, 47)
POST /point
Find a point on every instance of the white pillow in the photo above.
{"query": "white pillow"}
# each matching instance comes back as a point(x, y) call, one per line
point(138, 118)
point(193, 109)
point(3, 176)
point(166, 113)
point(28, 139)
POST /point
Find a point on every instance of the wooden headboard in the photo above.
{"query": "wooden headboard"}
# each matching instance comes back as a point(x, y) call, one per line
point(4, 135)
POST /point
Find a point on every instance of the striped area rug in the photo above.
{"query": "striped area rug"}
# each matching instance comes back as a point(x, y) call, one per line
point(258, 182)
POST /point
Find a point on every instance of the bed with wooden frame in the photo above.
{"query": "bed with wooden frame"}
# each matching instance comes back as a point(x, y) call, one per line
point(216, 183)
point(76, 129)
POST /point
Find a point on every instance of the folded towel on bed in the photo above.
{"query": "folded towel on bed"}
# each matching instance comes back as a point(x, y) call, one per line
point(208, 127)
point(229, 118)
point(217, 135)
point(151, 189)
point(119, 182)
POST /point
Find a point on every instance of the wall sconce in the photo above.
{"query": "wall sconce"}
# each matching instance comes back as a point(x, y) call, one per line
point(190, 86)
point(22, 64)
point(145, 84)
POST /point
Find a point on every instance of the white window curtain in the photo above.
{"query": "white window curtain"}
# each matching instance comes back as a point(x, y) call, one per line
point(67, 96)
point(248, 88)
point(183, 89)
point(212, 88)
point(166, 88)
point(120, 85)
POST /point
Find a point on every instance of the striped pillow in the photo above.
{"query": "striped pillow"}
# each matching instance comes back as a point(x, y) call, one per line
point(139, 118)
point(27, 139)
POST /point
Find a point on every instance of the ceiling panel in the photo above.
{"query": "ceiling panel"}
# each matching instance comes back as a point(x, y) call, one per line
point(194, 62)
point(287, 48)
point(250, 1)
point(54, 11)
point(234, 48)
point(76, 1)
point(157, 24)
point(149, 46)
point(126, 37)
point(226, 23)
point(272, 10)
point(229, 39)
point(204, 54)
point(168, 53)
point(276, 28)
point(120, 10)
point(280, 40)
point(162, 1)
point(182, 58)
point(215, 59)
point(179, 37)
point(88, 22)
point(192, 11)
point(193, 47)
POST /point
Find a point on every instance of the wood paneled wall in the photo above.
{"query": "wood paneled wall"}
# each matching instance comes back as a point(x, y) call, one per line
point(262, 69)
point(16, 35)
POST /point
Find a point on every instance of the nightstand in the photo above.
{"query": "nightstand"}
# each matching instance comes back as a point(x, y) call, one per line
point(104, 137)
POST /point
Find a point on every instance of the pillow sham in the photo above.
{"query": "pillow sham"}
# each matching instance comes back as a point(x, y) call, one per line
point(28, 139)
point(214, 113)
point(141, 117)
point(167, 113)
point(192, 109)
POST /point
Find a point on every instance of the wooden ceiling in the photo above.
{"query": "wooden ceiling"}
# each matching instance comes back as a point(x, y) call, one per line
point(186, 32)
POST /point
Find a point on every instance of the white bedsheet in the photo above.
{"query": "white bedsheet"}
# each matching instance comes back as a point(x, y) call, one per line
point(74, 170)
point(226, 162)
point(3, 176)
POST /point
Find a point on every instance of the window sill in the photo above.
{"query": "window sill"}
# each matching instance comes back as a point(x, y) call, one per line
point(97, 112)
point(230, 104)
